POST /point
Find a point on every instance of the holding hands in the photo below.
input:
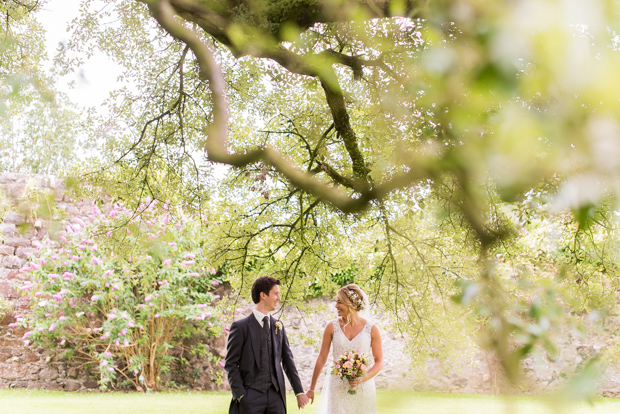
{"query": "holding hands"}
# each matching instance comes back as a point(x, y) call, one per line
point(302, 400)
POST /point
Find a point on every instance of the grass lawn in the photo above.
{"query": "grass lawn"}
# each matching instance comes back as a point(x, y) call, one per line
point(388, 402)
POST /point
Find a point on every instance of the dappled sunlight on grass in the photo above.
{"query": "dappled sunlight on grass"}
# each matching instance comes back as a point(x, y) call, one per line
point(388, 402)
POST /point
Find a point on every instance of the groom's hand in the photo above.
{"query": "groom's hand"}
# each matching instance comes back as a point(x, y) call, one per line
point(302, 400)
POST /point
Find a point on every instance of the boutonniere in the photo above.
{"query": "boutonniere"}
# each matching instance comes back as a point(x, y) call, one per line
point(278, 326)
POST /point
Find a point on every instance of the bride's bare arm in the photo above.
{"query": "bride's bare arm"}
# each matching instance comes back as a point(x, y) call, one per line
point(377, 353)
point(326, 343)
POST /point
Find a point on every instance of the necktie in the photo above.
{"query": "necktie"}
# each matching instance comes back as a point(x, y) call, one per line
point(266, 325)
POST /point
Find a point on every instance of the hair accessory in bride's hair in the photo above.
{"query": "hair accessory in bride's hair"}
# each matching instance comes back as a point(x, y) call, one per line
point(356, 300)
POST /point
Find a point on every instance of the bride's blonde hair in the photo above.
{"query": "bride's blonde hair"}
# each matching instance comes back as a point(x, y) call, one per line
point(353, 297)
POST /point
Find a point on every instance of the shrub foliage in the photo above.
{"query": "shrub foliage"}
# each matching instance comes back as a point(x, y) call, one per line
point(121, 293)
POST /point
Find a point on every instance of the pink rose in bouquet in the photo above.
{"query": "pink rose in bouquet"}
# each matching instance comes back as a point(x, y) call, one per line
point(351, 365)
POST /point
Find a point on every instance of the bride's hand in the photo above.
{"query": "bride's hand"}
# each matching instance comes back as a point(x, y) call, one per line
point(355, 382)
point(310, 394)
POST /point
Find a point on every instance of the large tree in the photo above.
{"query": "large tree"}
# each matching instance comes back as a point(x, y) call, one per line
point(396, 142)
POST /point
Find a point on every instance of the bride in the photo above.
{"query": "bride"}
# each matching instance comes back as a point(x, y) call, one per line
point(350, 332)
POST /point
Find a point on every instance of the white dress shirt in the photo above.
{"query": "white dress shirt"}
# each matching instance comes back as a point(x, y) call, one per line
point(259, 317)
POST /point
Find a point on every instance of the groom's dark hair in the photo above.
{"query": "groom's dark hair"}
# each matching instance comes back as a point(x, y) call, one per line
point(263, 284)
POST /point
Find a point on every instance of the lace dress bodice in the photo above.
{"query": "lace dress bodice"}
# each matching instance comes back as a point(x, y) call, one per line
point(335, 398)
point(360, 343)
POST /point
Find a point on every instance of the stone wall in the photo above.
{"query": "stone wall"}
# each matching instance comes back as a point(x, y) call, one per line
point(20, 367)
point(22, 226)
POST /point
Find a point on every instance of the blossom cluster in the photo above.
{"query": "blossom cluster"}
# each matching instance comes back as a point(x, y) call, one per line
point(123, 300)
point(351, 365)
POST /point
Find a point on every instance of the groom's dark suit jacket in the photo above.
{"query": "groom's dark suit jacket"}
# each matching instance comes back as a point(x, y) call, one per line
point(242, 362)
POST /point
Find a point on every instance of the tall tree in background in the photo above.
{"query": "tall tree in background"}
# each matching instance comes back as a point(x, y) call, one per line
point(401, 143)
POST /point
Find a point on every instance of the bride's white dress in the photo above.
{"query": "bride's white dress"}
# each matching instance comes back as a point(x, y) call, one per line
point(335, 398)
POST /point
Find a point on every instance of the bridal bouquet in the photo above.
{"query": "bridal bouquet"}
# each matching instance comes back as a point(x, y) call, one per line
point(351, 365)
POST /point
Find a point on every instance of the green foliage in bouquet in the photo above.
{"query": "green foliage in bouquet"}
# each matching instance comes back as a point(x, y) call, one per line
point(121, 293)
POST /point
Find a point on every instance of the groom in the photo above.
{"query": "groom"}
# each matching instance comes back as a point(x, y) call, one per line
point(257, 351)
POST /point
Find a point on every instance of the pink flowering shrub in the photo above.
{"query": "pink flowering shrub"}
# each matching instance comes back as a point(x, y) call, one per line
point(122, 292)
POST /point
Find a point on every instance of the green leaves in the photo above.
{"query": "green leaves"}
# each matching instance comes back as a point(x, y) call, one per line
point(130, 308)
point(469, 290)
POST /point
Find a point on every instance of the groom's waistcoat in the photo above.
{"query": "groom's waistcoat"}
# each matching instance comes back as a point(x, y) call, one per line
point(266, 376)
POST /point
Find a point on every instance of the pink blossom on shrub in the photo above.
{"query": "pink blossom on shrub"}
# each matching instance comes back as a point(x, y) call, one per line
point(96, 261)
point(194, 274)
point(189, 256)
point(104, 363)
point(94, 297)
point(52, 327)
point(13, 325)
point(167, 262)
point(215, 283)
